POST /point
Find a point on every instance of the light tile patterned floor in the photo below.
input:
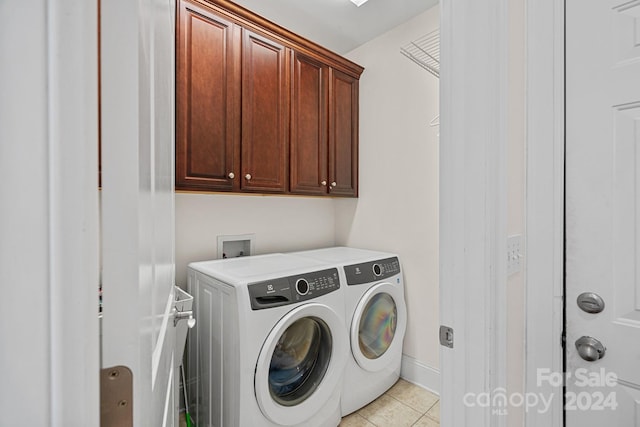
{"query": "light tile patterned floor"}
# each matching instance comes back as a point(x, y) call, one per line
point(403, 405)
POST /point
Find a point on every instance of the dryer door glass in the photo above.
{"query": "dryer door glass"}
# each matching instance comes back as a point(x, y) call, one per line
point(377, 325)
point(299, 361)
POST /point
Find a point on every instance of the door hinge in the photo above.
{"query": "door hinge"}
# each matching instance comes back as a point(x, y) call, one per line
point(116, 397)
point(446, 336)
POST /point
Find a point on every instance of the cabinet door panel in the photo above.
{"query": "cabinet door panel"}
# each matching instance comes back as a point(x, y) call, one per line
point(343, 138)
point(208, 103)
point(265, 79)
point(309, 140)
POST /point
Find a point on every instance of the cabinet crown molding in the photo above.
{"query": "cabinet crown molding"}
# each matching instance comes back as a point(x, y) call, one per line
point(288, 38)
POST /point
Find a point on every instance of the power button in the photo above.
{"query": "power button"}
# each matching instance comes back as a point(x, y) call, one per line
point(377, 270)
point(302, 286)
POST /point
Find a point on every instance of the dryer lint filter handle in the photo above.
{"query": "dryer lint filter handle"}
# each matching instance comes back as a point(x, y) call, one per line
point(270, 293)
point(292, 289)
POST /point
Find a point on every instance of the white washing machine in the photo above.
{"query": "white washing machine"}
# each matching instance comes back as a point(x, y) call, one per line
point(270, 343)
point(376, 316)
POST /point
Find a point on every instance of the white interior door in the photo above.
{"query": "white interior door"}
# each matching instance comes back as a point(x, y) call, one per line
point(137, 87)
point(603, 209)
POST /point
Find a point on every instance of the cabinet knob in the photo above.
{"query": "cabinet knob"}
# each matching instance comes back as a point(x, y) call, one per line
point(231, 175)
point(324, 183)
point(248, 177)
point(333, 184)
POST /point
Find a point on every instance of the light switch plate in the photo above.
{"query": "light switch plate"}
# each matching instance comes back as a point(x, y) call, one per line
point(514, 254)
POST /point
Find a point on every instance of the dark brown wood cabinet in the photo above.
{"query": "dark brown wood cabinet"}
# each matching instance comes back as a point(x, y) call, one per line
point(343, 137)
point(265, 114)
point(309, 126)
point(324, 130)
point(207, 100)
point(260, 109)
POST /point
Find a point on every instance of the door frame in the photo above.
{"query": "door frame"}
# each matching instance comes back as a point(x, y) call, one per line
point(472, 268)
point(544, 247)
point(473, 207)
point(49, 254)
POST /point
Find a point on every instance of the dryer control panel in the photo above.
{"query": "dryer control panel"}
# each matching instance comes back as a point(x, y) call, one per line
point(373, 271)
point(293, 289)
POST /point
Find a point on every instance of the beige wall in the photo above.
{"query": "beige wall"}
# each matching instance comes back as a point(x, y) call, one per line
point(280, 224)
point(397, 210)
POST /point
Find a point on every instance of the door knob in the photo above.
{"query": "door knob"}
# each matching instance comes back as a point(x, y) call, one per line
point(590, 349)
point(231, 175)
point(248, 176)
point(324, 183)
point(590, 302)
point(333, 184)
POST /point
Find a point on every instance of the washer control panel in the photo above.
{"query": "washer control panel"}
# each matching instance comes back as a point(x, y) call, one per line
point(373, 271)
point(293, 289)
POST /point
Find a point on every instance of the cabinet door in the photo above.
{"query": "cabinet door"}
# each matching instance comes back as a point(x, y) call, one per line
point(343, 134)
point(309, 140)
point(208, 101)
point(265, 114)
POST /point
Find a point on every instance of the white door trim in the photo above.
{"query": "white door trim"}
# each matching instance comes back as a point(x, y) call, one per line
point(473, 204)
point(49, 226)
point(545, 203)
point(73, 210)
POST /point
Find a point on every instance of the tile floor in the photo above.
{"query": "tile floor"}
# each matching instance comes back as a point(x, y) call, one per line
point(404, 404)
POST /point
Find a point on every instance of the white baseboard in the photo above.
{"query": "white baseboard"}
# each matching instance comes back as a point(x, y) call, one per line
point(420, 374)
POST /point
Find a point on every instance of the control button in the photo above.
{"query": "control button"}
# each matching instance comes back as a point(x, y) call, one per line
point(302, 286)
point(377, 270)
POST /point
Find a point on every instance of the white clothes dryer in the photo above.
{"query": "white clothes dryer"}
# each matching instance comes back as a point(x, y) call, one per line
point(376, 316)
point(270, 345)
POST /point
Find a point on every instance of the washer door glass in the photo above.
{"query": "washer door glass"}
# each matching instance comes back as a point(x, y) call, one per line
point(299, 361)
point(377, 325)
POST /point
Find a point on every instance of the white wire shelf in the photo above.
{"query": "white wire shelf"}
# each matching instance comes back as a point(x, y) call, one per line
point(425, 51)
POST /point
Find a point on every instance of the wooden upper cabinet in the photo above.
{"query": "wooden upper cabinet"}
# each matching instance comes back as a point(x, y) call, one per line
point(261, 109)
point(309, 148)
point(265, 114)
point(208, 100)
point(343, 136)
